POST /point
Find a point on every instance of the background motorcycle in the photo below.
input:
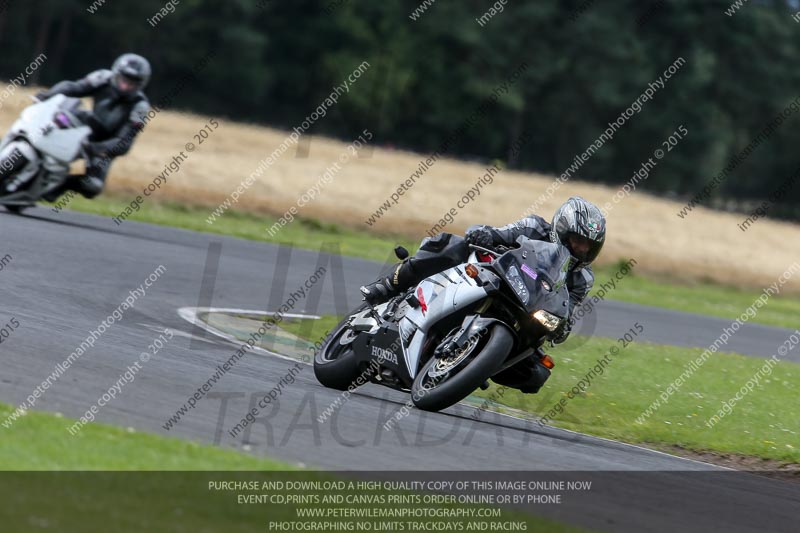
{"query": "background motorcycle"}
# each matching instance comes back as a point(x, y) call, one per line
point(35, 155)
point(447, 336)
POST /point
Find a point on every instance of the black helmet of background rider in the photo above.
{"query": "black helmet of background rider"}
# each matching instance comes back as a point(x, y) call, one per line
point(131, 74)
point(581, 227)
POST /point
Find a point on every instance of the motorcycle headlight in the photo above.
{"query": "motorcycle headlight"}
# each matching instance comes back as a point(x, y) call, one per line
point(548, 320)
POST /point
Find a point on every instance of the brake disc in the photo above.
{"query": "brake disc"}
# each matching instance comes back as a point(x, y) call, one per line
point(443, 365)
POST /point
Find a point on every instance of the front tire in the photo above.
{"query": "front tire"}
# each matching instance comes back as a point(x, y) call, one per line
point(437, 392)
point(13, 162)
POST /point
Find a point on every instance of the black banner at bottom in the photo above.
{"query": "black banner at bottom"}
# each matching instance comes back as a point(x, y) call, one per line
point(397, 501)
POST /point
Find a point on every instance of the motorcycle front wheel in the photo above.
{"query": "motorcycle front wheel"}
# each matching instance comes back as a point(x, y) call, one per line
point(445, 381)
point(11, 162)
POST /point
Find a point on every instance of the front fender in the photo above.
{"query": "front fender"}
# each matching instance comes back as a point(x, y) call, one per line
point(472, 326)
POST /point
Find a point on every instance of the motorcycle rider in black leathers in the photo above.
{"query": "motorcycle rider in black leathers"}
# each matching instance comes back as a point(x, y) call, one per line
point(119, 114)
point(577, 224)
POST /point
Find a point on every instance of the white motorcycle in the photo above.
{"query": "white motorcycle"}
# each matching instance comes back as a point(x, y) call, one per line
point(35, 155)
point(447, 336)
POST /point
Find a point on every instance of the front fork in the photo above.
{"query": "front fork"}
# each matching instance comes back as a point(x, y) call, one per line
point(473, 327)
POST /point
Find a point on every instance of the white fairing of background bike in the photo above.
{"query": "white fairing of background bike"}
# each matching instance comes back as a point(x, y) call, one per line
point(36, 126)
point(443, 293)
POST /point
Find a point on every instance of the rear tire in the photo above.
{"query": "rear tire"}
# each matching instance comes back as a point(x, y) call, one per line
point(335, 366)
point(16, 209)
point(467, 379)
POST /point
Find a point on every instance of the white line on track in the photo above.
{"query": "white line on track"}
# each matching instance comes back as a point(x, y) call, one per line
point(190, 315)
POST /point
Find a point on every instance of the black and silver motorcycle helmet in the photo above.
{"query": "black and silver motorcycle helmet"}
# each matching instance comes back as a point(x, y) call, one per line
point(580, 226)
point(131, 73)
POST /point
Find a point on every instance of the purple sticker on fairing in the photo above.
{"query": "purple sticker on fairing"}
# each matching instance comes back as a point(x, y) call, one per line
point(532, 273)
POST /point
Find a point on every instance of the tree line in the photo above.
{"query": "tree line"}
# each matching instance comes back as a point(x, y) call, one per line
point(587, 63)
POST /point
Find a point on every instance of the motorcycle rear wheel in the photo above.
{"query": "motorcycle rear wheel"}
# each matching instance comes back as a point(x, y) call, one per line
point(335, 365)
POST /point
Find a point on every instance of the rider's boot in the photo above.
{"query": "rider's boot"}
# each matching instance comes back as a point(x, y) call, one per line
point(70, 184)
point(435, 255)
point(378, 292)
point(53, 195)
point(87, 185)
point(383, 289)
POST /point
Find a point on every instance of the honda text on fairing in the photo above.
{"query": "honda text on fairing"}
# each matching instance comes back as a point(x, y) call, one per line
point(36, 154)
point(448, 335)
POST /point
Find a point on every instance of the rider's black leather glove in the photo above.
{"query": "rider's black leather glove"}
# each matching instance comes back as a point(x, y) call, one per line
point(479, 237)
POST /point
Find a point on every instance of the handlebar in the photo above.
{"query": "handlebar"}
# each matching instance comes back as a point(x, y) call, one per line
point(498, 249)
point(481, 249)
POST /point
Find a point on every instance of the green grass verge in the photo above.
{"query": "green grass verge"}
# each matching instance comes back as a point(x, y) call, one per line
point(70, 483)
point(765, 423)
point(311, 330)
point(670, 293)
point(305, 233)
point(40, 441)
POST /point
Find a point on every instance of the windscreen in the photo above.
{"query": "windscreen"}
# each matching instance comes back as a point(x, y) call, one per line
point(537, 272)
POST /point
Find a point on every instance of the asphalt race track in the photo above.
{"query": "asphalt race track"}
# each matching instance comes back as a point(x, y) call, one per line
point(69, 271)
